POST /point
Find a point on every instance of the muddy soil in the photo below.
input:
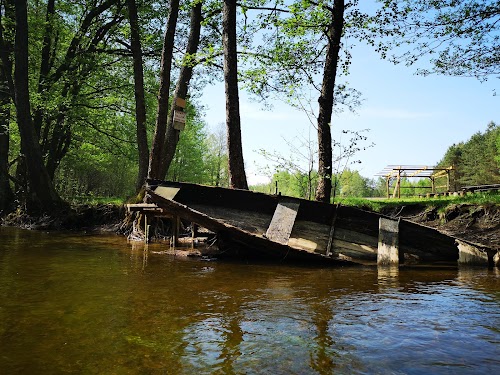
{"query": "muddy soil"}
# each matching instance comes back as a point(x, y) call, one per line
point(475, 223)
point(105, 217)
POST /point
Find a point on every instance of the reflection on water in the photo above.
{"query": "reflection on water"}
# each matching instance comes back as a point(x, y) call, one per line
point(98, 305)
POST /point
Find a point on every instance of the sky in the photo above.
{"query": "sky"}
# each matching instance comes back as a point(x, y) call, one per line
point(412, 120)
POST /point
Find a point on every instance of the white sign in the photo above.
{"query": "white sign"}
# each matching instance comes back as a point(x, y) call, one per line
point(180, 117)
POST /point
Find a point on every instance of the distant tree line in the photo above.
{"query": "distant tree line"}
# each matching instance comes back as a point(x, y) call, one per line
point(477, 160)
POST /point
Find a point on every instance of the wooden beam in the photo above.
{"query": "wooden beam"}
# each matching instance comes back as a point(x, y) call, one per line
point(140, 207)
point(282, 222)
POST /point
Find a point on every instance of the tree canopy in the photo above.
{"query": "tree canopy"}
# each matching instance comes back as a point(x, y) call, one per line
point(460, 37)
point(477, 160)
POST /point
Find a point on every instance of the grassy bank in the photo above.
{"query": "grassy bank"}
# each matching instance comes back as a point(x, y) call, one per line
point(379, 204)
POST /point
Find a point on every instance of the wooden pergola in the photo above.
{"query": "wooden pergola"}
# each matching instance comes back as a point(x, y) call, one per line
point(396, 172)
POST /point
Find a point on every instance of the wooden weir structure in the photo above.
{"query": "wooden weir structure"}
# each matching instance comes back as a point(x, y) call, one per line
point(250, 224)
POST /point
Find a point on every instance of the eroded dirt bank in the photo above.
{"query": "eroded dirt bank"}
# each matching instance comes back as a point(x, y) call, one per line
point(476, 223)
point(104, 217)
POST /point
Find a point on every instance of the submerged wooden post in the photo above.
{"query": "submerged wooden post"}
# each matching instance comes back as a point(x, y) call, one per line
point(146, 229)
point(388, 242)
point(175, 230)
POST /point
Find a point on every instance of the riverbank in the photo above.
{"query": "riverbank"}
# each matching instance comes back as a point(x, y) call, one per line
point(475, 222)
point(478, 223)
point(95, 218)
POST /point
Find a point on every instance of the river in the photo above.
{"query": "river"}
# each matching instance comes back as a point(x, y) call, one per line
point(95, 304)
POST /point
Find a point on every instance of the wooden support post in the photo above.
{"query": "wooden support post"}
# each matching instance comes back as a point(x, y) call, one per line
point(388, 242)
point(193, 234)
point(471, 255)
point(146, 229)
point(175, 231)
point(399, 184)
point(433, 184)
point(388, 183)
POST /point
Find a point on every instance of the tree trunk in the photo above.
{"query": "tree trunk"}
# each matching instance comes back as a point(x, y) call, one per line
point(45, 63)
point(164, 91)
point(6, 96)
point(140, 102)
point(237, 177)
point(7, 32)
point(323, 190)
point(6, 195)
point(181, 89)
point(44, 196)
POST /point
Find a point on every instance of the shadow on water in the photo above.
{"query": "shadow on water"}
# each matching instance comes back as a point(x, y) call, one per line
point(96, 304)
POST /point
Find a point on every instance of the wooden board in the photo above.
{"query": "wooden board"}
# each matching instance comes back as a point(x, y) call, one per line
point(354, 250)
point(166, 192)
point(282, 222)
point(252, 222)
point(309, 236)
point(150, 207)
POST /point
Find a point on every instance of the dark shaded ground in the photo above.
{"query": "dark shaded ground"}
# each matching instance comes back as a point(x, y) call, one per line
point(475, 223)
point(105, 217)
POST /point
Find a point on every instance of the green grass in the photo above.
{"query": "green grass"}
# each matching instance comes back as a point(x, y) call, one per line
point(483, 198)
point(373, 204)
point(92, 200)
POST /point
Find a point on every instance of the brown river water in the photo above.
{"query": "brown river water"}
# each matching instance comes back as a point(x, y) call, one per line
point(95, 304)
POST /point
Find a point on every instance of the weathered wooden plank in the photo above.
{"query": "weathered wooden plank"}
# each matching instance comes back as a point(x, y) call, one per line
point(355, 250)
point(252, 222)
point(282, 222)
point(312, 237)
point(167, 192)
point(149, 207)
point(355, 237)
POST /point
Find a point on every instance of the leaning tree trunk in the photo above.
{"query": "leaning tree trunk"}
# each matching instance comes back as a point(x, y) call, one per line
point(164, 91)
point(181, 89)
point(44, 195)
point(237, 177)
point(140, 102)
point(334, 34)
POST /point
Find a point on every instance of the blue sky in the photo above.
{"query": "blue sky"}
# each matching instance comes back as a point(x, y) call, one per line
point(412, 119)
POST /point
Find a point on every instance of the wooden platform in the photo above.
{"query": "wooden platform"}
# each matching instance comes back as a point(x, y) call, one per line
point(144, 207)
